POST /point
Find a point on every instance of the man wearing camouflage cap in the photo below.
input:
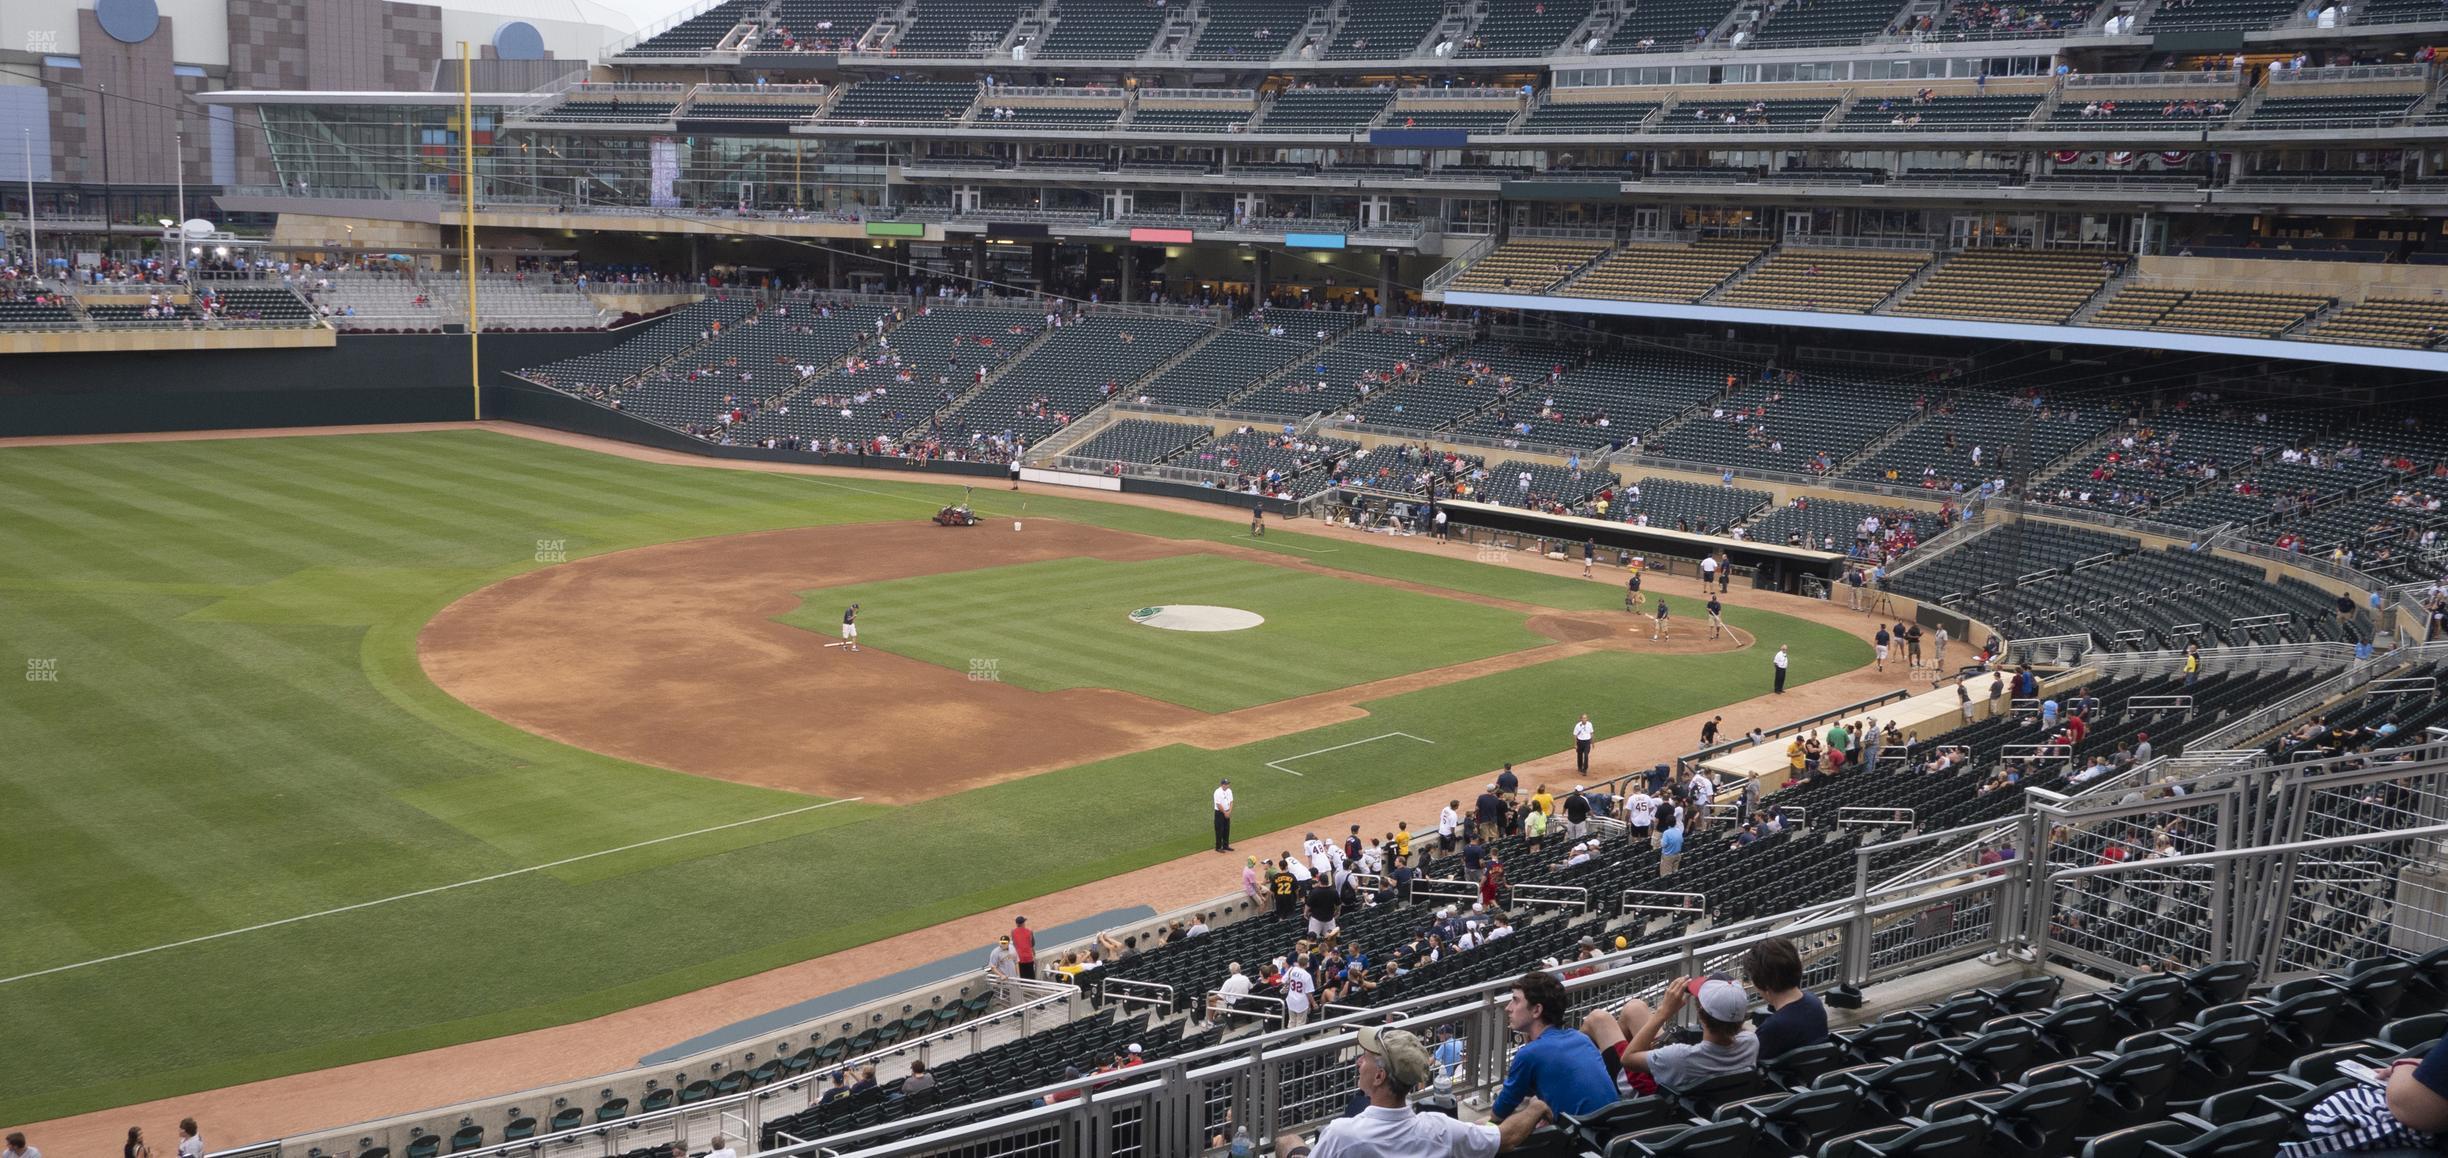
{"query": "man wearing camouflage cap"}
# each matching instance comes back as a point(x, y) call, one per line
point(1393, 1063)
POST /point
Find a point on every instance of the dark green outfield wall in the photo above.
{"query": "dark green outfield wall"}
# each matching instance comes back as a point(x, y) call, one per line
point(362, 379)
point(373, 380)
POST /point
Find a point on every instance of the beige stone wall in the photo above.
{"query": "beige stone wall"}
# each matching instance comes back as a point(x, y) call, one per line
point(119, 341)
point(2348, 281)
point(369, 232)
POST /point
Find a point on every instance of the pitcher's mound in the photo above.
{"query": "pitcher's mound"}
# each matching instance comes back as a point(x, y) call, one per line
point(1197, 617)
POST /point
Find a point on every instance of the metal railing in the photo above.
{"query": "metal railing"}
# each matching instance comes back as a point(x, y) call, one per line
point(1242, 95)
point(2353, 73)
point(2113, 82)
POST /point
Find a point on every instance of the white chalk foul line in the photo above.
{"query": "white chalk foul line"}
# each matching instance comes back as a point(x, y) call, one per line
point(422, 892)
point(1278, 765)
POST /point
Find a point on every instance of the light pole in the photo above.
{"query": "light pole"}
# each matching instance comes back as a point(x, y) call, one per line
point(102, 92)
point(33, 243)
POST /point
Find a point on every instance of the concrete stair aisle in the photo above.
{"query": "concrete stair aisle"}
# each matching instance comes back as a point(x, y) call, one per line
point(1736, 278)
point(2091, 306)
point(1030, 29)
point(1602, 19)
point(1882, 442)
point(1739, 17)
point(1919, 278)
point(975, 387)
point(1306, 357)
point(1450, 29)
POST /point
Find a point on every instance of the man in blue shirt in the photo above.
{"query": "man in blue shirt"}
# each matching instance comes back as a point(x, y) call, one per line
point(1556, 1063)
point(1670, 846)
point(1448, 1053)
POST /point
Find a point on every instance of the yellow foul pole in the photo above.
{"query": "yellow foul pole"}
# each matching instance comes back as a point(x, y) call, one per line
point(467, 221)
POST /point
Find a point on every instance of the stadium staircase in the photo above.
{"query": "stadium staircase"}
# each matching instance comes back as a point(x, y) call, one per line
point(977, 387)
point(1894, 435)
point(1455, 25)
point(1180, 28)
point(1187, 352)
point(2124, 279)
point(1306, 357)
point(1717, 292)
point(1035, 24)
point(1751, 14)
point(1601, 18)
point(75, 306)
point(1919, 278)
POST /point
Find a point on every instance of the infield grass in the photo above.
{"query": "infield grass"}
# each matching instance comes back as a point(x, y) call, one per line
point(238, 732)
point(1067, 624)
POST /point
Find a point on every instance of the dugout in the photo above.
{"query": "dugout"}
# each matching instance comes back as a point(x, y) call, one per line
point(1772, 566)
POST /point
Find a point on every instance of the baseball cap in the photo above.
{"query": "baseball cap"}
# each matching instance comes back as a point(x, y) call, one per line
point(1721, 999)
point(1134, 1047)
point(1402, 1053)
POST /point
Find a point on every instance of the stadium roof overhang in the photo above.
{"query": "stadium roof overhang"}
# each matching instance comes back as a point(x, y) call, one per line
point(240, 96)
point(2434, 361)
point(1620, 535)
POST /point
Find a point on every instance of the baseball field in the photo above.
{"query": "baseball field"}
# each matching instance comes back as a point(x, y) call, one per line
point(333, 748)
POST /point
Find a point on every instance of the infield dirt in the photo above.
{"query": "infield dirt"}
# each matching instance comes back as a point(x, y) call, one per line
point(671, 655)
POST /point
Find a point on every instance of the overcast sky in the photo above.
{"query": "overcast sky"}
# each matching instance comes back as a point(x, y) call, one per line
point(639, 13)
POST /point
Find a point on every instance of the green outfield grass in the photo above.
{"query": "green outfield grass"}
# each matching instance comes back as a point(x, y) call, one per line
point(238, 733)
point(1066, 624)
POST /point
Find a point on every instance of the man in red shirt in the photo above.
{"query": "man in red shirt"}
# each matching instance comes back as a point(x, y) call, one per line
point(1024, 945)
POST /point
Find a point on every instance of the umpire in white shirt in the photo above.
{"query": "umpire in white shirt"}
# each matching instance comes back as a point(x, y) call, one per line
point(1223, 816)
point(1392, 1064)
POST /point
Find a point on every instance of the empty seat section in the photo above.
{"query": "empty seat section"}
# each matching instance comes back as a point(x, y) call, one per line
point(1247, 352)
point(2034, 17)
point(1383, 29)
point(2002, 113)
point(1078, 368)
point(959, 27)
point(1141, 441)
point(1082, 117)
point(1665, 25)
point(1249, 29)
point(904, 100)
point(1526, 265)
point(1589, 117)
point(1333, 379)
point(1523, 28)
point(1799, 23)
point(1719, 116)
point(2330, 112)
point(1661, 272)
point(697, 34)
point(1838, 280)
point(1323, 110)
point(2382, 321)
point(1102, 30)
point(2010, 285)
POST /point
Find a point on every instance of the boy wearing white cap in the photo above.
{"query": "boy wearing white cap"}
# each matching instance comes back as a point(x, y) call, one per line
point(1628, 1039)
